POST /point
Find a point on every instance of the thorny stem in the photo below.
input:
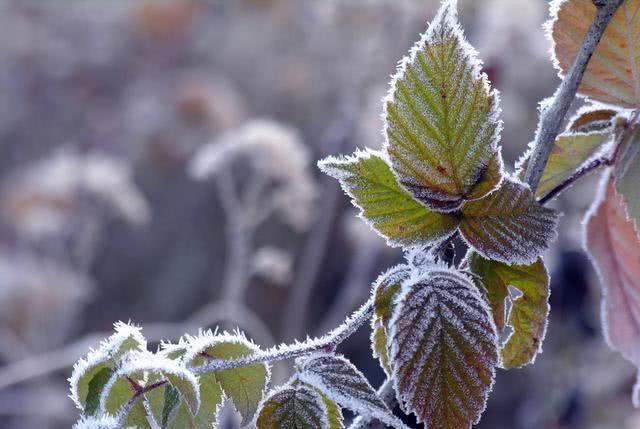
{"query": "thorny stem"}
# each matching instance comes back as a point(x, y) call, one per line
point(552, 116)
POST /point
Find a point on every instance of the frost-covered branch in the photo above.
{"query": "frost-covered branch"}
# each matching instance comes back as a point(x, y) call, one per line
point(327, 342)
point(552, 115)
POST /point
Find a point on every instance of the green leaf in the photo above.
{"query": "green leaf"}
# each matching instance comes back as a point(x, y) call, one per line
point(627, 180)
point(293, 407)
point(339, 379)
point(570, 151)
point(390, 210)
point(385, 289)
point(96, 385)
point(126, 338)
point(442, 119)
point(115, 394)
point(181, 418)
point(137, 417)
point(529, 311)
point(379, 345)
point(443, 349)
point(334, 412)
point(509, 225)
point(245, 385)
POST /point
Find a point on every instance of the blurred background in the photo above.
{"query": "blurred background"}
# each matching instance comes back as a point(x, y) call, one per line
point(157, 164)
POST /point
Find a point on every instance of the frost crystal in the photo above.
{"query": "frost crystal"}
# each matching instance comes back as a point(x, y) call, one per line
point(97, 422)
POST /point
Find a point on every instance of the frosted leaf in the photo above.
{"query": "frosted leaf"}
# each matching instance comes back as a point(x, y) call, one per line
point(389, 209)
point(627, 178)
point(529, 311)
point(97, 422)
point(342, 382)
point(614, 248)
point(385, 289)
point(170, 412)
point(570, 151)
point(443, 349)
point(293, 407)
point(379, 340)
point(509, 225)
point(244, 385)
point(126, 338)
point(442, 119)
point(592, 118)
point(612, 74)
point(139, 366)
point(334, 412)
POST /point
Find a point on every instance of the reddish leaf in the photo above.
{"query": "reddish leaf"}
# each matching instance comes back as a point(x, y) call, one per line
point(611, 241)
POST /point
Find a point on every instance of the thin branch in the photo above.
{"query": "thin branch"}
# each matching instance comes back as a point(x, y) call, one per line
point(552, 116)
point(578, 174)
point(288, 351)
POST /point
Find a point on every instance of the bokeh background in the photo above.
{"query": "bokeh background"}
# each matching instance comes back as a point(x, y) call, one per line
point(157, 164)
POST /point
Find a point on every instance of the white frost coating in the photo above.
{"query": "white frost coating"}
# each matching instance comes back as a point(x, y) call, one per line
point(140, 362)
point(432, 307)
point(208, 338)
point(446, 19)
point(554, 8)
point(343, 383)
point(103, 421)
point(109, 349)
point(287, 393)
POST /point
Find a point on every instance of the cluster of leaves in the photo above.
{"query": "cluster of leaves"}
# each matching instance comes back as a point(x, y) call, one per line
point(122, 384)
point(440, 330)
point(436, 327)
point(440, 173)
